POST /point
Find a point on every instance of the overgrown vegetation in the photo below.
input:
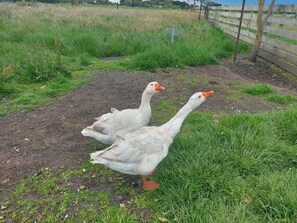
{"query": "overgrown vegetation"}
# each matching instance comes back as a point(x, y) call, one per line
point(43, 42)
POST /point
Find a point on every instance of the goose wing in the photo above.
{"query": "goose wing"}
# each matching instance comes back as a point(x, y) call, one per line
point(134, 147)
point(115, 121)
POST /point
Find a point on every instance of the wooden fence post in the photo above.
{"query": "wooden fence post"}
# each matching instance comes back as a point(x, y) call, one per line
point(206, 12)
point(239, 28)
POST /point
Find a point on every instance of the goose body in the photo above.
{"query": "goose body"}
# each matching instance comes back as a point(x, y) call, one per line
point(136, 154)
point(109, 125)
point(139, 152)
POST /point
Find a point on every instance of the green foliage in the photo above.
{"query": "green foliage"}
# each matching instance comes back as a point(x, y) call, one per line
point(258, 89)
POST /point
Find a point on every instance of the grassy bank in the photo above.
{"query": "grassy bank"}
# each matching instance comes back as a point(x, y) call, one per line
point(42, 42)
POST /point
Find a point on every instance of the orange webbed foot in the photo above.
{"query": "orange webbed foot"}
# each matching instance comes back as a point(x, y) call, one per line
point(149, 184)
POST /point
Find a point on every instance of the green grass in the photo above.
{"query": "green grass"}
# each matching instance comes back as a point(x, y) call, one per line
point(50, 197)
point(257, 89)
point(166, 109)
point(281, 99)
point(239, 169)
point(267, 92)
point(8, 90)
point(42, 43)
point(31, 95)
point(228, 168)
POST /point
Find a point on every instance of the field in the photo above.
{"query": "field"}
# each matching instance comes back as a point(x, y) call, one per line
point(48, 44)
point(234, 160)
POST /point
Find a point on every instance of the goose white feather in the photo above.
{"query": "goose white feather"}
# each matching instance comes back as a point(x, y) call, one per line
point(109, 125)
point(139, 152)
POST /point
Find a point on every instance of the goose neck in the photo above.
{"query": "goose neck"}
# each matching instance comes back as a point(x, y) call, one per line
point(172, 127)
point(145, 102)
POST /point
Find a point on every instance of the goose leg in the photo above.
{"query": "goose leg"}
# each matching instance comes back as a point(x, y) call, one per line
point(152, 172)
point(149, 184)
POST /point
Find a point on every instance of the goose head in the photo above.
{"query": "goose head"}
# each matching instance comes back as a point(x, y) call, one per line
point(198, 98)
point(153, 88)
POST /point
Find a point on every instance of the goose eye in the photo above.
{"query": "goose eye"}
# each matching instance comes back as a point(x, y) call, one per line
point(151, 84)
point(199, 96)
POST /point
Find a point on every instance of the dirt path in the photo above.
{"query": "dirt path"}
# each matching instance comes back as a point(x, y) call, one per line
point(50, 135)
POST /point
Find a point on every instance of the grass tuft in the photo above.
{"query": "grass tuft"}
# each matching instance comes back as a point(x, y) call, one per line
point(281, 99)
point(7, 91)
point(257, 89)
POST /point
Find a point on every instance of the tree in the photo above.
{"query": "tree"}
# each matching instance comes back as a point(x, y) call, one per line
point(213, 4)
point(182, 5)
point(260, 28)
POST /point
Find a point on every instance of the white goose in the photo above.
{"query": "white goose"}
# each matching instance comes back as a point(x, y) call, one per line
point(139, 152)
point(109, 125)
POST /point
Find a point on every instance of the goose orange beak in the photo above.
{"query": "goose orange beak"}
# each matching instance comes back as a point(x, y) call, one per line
point(158, 87)
point(207, 94)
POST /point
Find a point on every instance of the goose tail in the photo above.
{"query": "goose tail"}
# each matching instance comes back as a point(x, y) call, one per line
point(95, 158)
point(106, 139)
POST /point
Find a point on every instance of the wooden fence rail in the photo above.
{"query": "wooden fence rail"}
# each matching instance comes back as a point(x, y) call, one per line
point(279, 43)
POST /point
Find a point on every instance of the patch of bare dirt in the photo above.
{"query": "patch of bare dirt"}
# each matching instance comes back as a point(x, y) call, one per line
point(50, 135)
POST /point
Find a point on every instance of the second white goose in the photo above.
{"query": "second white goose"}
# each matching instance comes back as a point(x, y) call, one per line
point(109, 125)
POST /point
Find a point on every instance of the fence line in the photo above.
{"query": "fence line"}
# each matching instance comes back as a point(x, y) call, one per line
point(279, 43)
